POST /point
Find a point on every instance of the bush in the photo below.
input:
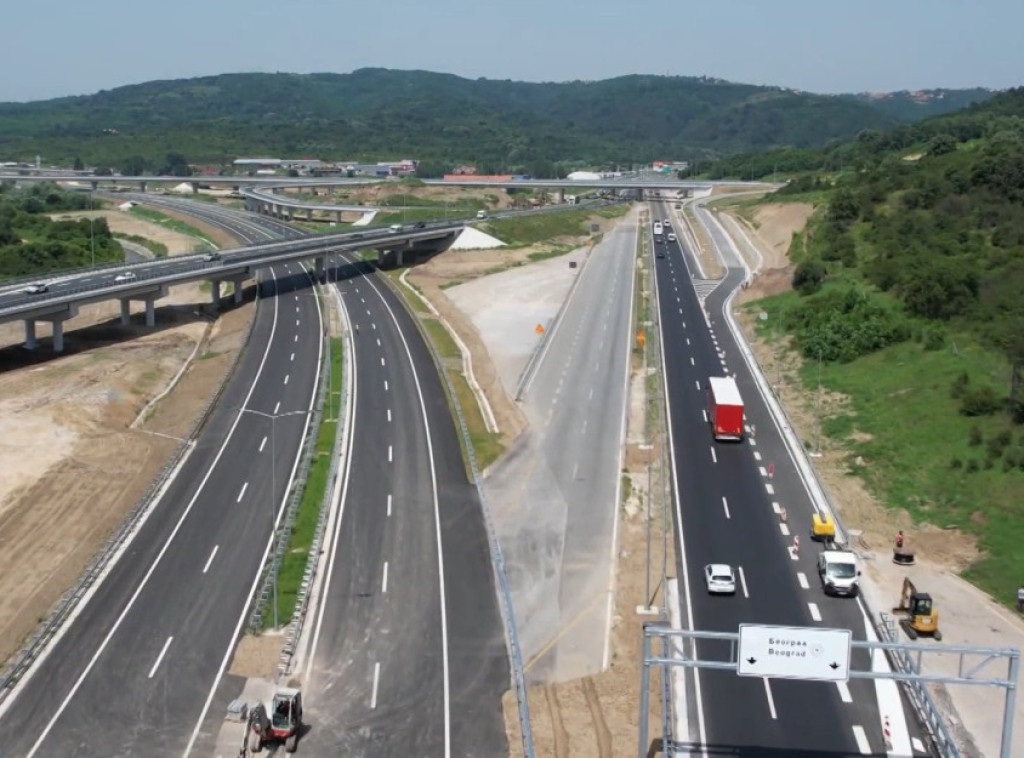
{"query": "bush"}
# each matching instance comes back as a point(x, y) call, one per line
point(974, 438)
point(980, 401)
point(998, 443)
point(842, 325)
point(972, 466)
point(933, 338)
point(955, 463)
point(808, 277)
point(959, 386)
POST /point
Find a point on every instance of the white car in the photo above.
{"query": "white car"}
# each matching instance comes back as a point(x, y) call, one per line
point(36, 289)
point(127, 276)
point(671, 236)
point(720, 578)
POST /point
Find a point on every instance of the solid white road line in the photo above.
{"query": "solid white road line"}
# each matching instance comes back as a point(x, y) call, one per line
point(815, 613)
point(784, 528)
point(389, 453)
point(389, 506)
point(802, 578)
point(163, 652)
point(862, 740)
point(241, 494)
point(277, 407)
point(771, 700)
point(714, 458)
point(384, 584)
point(743, 582)
point(262, 445)
point(210, 559)
point(725, 505)
point(844, 692)
point(376, 682)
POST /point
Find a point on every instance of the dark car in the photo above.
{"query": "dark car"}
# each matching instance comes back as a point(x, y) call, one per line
point(420, 225)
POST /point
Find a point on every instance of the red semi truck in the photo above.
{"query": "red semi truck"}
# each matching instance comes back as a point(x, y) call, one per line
point(725, 408)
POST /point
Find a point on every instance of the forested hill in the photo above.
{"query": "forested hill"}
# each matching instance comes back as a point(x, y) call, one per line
point(441, 118)
point(931, 218)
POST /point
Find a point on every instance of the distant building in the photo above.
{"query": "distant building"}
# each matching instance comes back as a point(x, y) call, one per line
point(463, 171)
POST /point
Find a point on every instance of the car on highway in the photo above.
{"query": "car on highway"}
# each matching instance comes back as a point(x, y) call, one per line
point(660, 253)
point(36, 289)
point(720, 578)
point(421, 225)
point(126, 276)
point(211, 257)
point(671, 236)
point(395, 228)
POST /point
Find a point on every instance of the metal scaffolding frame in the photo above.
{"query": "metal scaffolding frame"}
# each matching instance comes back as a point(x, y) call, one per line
point(905, 656)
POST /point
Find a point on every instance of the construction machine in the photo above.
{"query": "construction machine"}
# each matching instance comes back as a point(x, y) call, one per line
point(921, 618)
point(282, 724)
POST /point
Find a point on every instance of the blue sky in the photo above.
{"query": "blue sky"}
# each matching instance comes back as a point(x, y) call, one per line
point(67, 47)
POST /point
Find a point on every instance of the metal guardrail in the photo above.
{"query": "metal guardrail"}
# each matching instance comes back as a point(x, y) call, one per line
point(70, 601)
point(916, 690)
point(294, 633)
point(497, 556)
point(284, 529)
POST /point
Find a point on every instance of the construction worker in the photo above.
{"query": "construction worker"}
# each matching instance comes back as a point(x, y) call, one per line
point(1020, 599)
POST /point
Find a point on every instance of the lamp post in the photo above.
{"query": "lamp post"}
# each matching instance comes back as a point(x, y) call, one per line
point(92, 239)
point(273, 483)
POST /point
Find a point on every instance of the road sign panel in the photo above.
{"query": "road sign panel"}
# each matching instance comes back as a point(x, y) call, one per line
point(794, 652)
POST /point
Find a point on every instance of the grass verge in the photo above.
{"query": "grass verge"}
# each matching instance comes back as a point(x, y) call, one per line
point(543, 227)
point(293, 563)
point(487, 445)
point(900, 421)
point(201, 243)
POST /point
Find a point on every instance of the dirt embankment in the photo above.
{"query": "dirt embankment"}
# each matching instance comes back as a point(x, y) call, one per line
point(71, 466)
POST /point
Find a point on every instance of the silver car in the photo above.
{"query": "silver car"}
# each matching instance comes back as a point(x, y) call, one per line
point(720, 578)
point(36, 289)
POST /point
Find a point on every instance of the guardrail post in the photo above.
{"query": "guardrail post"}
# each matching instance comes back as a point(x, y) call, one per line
point(645, 686)
point(1010, 706)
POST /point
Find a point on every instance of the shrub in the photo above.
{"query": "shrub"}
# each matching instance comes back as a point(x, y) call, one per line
point(959, 386)
point(980, 401)
point(974, 437)
point(933, 338)
point(955, 463)
point(808, 277)
point(972, 466)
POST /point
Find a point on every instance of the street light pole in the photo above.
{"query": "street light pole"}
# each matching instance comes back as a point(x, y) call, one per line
point(92, 239)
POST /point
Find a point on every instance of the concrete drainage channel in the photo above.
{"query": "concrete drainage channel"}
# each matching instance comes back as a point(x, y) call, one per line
point(104, 560)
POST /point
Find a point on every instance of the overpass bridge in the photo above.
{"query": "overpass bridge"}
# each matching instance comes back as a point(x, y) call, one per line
point(148, 281)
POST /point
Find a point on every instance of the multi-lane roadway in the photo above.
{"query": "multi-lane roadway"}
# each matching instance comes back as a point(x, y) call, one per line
point(729, 498)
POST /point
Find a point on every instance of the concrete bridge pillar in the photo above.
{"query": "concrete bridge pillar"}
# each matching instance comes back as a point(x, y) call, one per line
point(321, 267)
point(150, 311)
point(58, 335)
point(309, 214)
point(95, 185)
point(337, 216)
point(142, 186)
point(561, 194)
point(30, 334)
point(215, 293)
point(195, 187)
point(640, 194)
point(239, 287)
point(126, 311)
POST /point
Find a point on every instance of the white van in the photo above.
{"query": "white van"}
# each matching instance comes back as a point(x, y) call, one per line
point(481, 214)
point(395, 228)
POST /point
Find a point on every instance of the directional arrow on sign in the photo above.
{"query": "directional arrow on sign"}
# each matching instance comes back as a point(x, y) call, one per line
point(794, 652)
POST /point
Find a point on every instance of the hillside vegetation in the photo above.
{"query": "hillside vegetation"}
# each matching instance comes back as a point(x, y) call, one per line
point(439, 118)
point(31, 243)
point(909, 292)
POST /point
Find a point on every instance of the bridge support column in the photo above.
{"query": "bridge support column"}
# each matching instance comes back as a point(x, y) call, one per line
point(126, 311)
point(400, 257)
point(95, 185)
point(142, 186)
point(150, 311)
point(58, 335)
point(640, 193)
point(321, 267)
point(30, 334)
point(561, 194)
point(195, 187)
point(239, 287)
point(215, 293)
point(309, 214)
point(337, 216)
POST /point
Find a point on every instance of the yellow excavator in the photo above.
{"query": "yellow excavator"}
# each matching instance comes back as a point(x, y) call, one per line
point(922, 618)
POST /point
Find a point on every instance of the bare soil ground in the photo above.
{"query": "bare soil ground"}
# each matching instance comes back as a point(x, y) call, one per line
point(71, 466)
point(495, 197)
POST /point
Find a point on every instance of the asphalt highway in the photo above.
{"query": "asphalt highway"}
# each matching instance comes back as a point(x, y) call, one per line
point(408, 654)
point(727, 513)
point(135, 670)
